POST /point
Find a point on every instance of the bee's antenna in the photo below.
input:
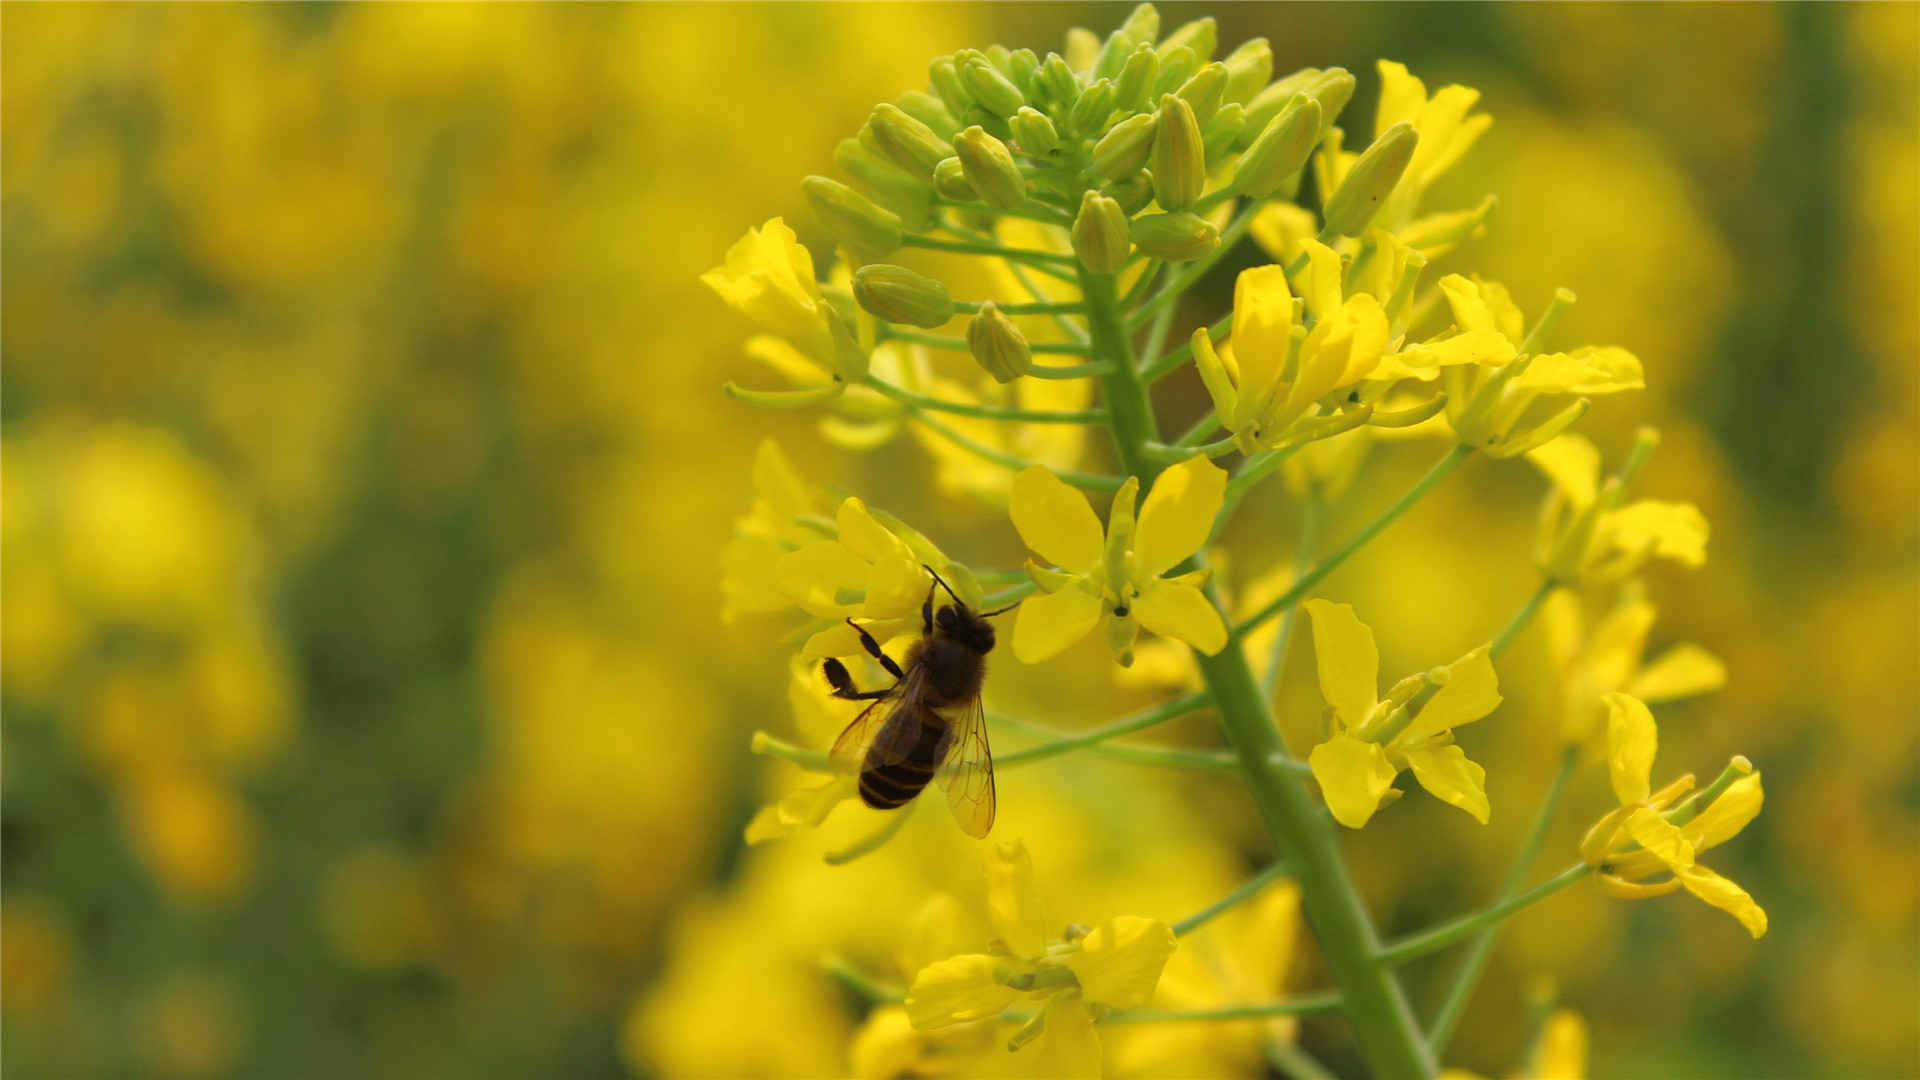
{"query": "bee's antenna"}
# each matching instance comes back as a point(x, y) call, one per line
point(943, 584)
point(1000, 611)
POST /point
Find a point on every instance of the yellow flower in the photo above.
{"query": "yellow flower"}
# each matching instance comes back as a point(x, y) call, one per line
point(771, 528)
point(768, 275)
point(1593, 665)
point(1375, 739)
point(1647, 835)
point(1117, 578)
point(1588, 538)
point(1116, 965)
point(1560, 1053)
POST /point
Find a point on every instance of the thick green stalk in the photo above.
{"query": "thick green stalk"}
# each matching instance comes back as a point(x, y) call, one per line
point(1370, 994)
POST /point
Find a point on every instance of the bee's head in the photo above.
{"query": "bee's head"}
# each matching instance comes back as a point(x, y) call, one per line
point(960, 623)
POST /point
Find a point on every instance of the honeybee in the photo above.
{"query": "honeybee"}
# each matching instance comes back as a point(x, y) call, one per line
point(928, 725)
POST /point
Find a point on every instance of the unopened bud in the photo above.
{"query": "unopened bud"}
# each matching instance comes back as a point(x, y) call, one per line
point(1100, 234)
point(1091, 109)
point(1200, 35)
point(1124, 149)
point(1279, 151)
point(1034, 132)
point(1021, 65)
point(900, 295)
point(1054, 85)
point(990, 168)
point(853, 219)
point(998, 345)
point(910, 143)
point(1143, 22)
point(1249, 69)
point(1205, 91)
point(1135, 81)
point(1218, 134)
point(1332, 88)
point(1132, 193)
point(993, 90)
point(1114, 54)
point(930, 111)
point(1179, 159)
point(1370, 181)
point(886, 183)
point(1177, 237)
point(950, 181)
point(1176, 67)
point(944, 76)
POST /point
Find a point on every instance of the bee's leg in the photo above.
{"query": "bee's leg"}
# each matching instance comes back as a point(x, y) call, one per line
point(842, 683)
point(873, 648)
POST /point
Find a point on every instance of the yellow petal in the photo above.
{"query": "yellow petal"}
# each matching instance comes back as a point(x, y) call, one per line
point(1348, 660)
point(1402, 96)
point(1049, 622)
point(1467, 303)
point(1446, 772)
point(1013, 904)
point(1470, 692)
point(1563, 623)
point(1178, 515)
point(1119, 964)
point(886, 1046)
point(956, 990)
point(1632, 740)
point(1724, 895)
point(816, 575)
point(1262, 326)
point(1637, 890)
point(1613, 652)
point(1055, 520)
point(936, 930)
point(1661, 838)
point(1068, 1046)
point(1280, 228)
point(1562, 1052)
point(1322, 287)
point(1484, 347)
point(779, 354)
point(1684, 671)
point(1590, 370)
point(1213, 374)
point(1572, 464)
point(1354, 776)
point(1181, 611)
point(1670, 530)
point(896, 587)
point(1723, 819)
point(1601, 838)
point(865, 536)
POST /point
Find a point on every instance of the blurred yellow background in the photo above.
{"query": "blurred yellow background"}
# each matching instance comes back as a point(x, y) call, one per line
point(367, 708)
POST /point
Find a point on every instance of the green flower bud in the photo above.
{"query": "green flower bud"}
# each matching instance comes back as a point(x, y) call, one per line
point(1020, 68)
point(1205, 91)
point(1000, 57)
point(1249, 68)
point(1177, 237)
point(1200, 35)
point(1176, 68)
point(1124, 148)
point(989, 168)
point(910, 143)
point(1091, 109)
point(1113, 55)
point(993, 90)
point(930, 111)
point(998, 345)
point(1143, 24)
point(944, 76)
point(1054, 85)
point(950, 180)
point(886, 184)
point(1279, 151)
point(1136, 79)
point(1034, 132)
point(1370, 181)
point(1179, 159)
point(1332, 88)
point(897, 294)
point(852, 218)
point(1100, 234)
point(1133, 193)
point(1219, 133)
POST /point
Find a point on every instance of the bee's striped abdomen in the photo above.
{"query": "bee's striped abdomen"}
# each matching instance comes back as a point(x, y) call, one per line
point(886, 784)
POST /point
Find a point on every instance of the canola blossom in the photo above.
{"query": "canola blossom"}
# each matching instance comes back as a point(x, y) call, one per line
point(1010, 264)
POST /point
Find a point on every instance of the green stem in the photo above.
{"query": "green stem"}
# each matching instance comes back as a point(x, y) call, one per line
point(1037, 307)
point(1521, 618)
point(1171, 362)
point(1440, 937)
point(857, 981)
point(986, 412)
point(1240, 895)
point(1084, 481)
point(1474, 964)
point(1167, 756)
point(1310, 515)
point(1251, 472)
point(1295, 1063)
point(1203, 427)
point(970, 247)
point(1390, 1037)
point(1159, 714)
point(1169, 293)
point(959, 344)
point(1440, 471)
point(1298, 1005)
point(1175, 454)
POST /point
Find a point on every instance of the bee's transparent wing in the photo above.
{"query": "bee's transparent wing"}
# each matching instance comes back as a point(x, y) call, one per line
point(967, 771)
point(872, 731)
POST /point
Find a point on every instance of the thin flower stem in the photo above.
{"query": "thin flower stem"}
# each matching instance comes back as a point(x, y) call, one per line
point(1173, 455)
point(1521, 618)
point(1474, 964)
point(1251, 472)
point(1440, 937)
point(1139, 721)
point(1000, 577)
point(1167, 756)
point(873, 841)
point(1141, 285)
point(1037, 307)
point(1067, 326)
point(1295, 1063)
point(1299, 1005)
point(959, 344)
point(773, 746)
point(1071, 371)
point(1203, 427)
point(1084, 481)
point(1007, 596)
point(1170, 292)
point(974, 247)
point(1440, 471)
point(1310, 514)
point(1240, 895)
point(1157, 333)
point(987, 412)
point(857, 981)
point(1171, 362)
